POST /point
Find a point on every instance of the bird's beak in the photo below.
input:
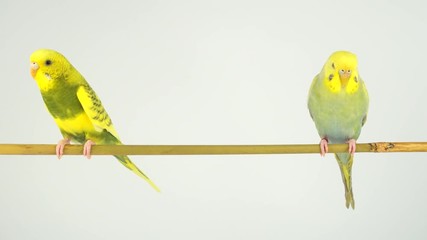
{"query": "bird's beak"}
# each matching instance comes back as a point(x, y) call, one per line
point(33, 69)
point(344, 77)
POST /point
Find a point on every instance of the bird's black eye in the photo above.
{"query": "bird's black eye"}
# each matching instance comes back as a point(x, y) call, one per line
point(333, 65)
point(48, 62)
point(331, 76)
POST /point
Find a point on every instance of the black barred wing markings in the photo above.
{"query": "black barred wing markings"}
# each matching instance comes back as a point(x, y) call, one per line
point(94, 109)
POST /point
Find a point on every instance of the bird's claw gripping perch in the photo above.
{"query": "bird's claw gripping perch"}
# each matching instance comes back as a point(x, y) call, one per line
point(323, 147)
point(87, 148)
point(60, 147)
point(351, 146)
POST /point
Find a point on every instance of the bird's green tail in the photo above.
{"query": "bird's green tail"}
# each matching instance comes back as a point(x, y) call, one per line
point(129, 164)
point(345, 162)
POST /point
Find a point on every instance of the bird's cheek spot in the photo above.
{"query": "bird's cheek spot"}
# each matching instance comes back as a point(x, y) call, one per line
point(355, 79)
point(47, 76)
point(331, 77)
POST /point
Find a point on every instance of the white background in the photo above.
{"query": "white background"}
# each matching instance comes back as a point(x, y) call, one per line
point(214, 72)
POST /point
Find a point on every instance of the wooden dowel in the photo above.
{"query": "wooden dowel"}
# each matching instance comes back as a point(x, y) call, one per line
point(49, 149)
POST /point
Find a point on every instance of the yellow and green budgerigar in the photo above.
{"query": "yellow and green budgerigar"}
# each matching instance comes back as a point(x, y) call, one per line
point(74, 106)
point(338, 103)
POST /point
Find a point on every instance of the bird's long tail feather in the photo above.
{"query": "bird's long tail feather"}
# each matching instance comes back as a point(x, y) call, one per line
point(345, 162)
point(129, 164)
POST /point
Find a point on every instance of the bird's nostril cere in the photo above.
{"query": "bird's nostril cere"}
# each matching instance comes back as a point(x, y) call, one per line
point(34, 65)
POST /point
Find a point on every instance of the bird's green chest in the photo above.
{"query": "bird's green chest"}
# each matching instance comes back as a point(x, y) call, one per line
point(62, 102)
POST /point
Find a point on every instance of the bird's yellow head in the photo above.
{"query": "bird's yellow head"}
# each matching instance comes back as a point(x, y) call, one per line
point(48, 67)
point(340, 72)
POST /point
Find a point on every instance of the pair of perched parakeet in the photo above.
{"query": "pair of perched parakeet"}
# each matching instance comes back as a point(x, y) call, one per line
point(338, 104)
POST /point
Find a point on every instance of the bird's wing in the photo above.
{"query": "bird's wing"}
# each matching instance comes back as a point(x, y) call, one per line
point(311, 102)
point(94, 110)
point(365, 100)
point(364, 119)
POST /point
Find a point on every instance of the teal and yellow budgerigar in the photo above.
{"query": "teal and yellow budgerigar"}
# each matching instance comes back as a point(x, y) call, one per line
point(74, 106)
point(338, 103)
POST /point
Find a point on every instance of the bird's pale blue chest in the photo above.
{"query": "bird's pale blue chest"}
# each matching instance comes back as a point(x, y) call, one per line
point(339, 116)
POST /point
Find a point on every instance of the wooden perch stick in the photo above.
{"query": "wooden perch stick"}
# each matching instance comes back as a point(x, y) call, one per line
point(49, 149)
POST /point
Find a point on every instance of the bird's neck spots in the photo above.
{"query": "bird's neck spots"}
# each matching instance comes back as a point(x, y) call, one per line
point(352, 85)
point(334, 85)
point(45, 83)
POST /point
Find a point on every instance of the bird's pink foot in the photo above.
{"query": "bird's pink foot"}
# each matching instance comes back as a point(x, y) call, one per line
point(60, 147)
point(87, 148)
point(351, 146)
point(323, 147)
